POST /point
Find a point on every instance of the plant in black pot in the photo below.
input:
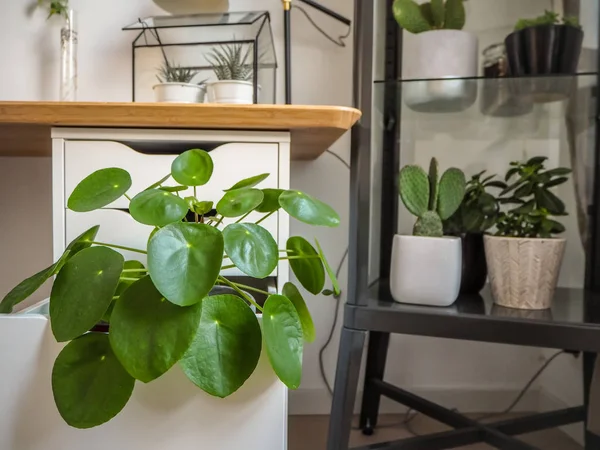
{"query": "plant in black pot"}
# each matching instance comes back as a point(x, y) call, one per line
point(544, 46)
point(476, 215)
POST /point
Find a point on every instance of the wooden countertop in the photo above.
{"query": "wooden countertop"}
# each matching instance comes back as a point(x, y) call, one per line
point(25, 126)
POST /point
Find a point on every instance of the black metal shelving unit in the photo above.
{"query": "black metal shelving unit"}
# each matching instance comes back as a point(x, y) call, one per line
point(371, 313)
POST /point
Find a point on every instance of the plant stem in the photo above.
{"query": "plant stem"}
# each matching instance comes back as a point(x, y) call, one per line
point(300, 257)
point(266, 217)
point(134, 270)
point(239, 291)
point(128, 279)
point(127, 197)
point(231, 266)
point(250, 288)
point(196, 197)
point(243, 217)
point(216, 225)
point(120, 247)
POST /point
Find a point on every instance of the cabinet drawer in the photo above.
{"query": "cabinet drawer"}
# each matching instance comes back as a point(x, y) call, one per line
point(232, 162)
point(119, 228)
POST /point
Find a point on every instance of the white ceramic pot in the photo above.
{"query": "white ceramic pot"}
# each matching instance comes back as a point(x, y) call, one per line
point(523, 272)
point(193, 6)
point(231, 92)
point(435, 55)
point(426, 270)
point(179, 93)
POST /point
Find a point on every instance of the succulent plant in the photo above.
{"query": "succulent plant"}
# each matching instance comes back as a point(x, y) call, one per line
point(230, 63)
point(171, 73)
point(430, 198)
point(432, 15)
point(548, 18)
point(55, 7)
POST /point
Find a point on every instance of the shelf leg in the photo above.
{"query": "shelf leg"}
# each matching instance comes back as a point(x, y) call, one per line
point(592, 441)
point(376, 359)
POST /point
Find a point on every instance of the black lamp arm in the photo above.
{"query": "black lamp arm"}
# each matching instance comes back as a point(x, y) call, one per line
point(327, 11)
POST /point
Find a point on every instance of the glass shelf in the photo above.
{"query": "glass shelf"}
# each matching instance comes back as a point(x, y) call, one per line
point(197, 20)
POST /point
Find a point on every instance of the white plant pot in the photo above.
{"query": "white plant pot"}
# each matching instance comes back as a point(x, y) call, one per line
point(523, 272)
point(193, 6)
point(436, 56)
point(231, 92)
point(426, 270)
point(179, 93)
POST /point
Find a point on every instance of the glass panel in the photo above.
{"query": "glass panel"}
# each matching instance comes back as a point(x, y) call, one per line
point(196, 20)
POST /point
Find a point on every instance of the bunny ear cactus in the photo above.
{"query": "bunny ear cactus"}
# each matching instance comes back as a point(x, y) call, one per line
point(431, 200)
point(433, 15)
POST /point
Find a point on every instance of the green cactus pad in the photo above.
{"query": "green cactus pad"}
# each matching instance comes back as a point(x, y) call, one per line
point(427, 13)
point(438, 12)
point(451, 192)
point(408, 15)
point(430, 225)
point(433, 184)
point(455, 15)
point(414, 189)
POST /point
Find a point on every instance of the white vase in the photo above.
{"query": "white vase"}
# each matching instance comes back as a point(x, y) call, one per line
point(523, 271)
point(231, 92)
point(179, 93)
point(437, 56)
point(426, 270)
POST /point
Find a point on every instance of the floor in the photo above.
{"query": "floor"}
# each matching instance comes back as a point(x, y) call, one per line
point(310, 433)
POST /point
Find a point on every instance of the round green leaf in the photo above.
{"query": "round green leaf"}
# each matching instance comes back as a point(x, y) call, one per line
point(192, 168)
point(226, 348)
point(282, 331)
point(89, 384)
point(249, 182)
point(308, 209)
point(270, 202)
point(239, 202)
point(83, 241)
point(158, 208)
point(149, 334)
point(83, 291)
point(184, 260)
point(251, 248)
point(310, 272)
point(99, 189)
point(308, 327)
point(329, 270)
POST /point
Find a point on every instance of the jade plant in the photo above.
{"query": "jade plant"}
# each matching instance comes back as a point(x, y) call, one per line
point(430, 198)
point(433, 15)
point(164, 314)
point(533, 203)
point(479, 209)
point(548, 18)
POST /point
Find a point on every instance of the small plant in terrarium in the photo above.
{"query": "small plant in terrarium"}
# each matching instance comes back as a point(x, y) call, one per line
point(171, 73)
point(176, 85)
point(234, 70)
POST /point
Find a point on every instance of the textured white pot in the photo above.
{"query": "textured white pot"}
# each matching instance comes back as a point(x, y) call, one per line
point(193, 6)
point(179, 93)
point(231, 92)
point(440, 54)
point(523, 272)
point(426, 270)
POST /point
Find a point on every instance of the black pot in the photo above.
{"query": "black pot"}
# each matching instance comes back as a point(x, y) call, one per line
point(474, 266)
point(544, 50)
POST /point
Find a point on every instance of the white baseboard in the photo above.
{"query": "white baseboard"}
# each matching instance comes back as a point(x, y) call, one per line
point(318, 401)
point(549, 402)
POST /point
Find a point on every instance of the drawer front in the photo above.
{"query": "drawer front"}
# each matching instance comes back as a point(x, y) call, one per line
point(119, 228)
point(232, 162)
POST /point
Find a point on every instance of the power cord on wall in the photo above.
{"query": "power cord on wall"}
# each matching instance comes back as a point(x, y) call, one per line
point(339, 41)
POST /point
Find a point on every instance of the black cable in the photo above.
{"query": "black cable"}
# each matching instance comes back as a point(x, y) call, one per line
point(340, 41)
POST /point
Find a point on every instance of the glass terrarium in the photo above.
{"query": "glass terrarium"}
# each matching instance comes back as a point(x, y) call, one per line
point(195, 44)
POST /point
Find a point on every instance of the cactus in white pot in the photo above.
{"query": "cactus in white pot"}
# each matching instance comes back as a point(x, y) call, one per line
point(428, 254)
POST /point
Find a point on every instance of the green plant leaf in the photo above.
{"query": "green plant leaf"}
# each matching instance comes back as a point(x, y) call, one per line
point(556, 182)
point(308, 327)
point(524, 191)
point(227, 346)
point(415, 189)
point(239, 202)
point(248, 182)
point(511, 172)
point(282, 330)
point(308, 209)
point(158, 208)
point(192, 168)
point(556, 227)
point(83, 241)
point(452, 192)
point(427, 13)
point(438, 12)
point(89, 384)
point(546, 199)
point(310, 272)
point(172, 188)
point(83, 291)
point(434, 180)
point(409, 16)
point(27, 287)
point(149, 334)
point(455, 15)
point(99, 189)
point(158, 183)
point(184, 261)
point(251, 248)
point(329, 270)
point(536, 160)
point(198, 207)
point(270, 201)
point(512, 187)
point(327, 292)
point(559, 172)
point(496, 184)
point(525, 208)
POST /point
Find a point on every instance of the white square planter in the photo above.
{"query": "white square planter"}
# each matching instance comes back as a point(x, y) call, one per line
point(170, 413)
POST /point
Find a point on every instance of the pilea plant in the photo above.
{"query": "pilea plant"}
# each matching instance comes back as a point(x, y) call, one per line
point(548, 18)
point(229, 62)
point(433, 15)
point(535, 203)
point(165, 314)
point(479, 209)
point(430, 198)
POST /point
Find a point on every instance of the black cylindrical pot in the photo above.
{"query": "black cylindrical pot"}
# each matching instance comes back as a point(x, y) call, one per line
point(570, 49)
point(514, 54)
point(474, 266)
point(541, 46)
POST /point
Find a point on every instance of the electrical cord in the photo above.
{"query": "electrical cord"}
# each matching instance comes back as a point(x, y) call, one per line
point(339, 41)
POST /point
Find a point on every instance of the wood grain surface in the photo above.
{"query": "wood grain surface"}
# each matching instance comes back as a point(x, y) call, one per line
point(25, 126)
